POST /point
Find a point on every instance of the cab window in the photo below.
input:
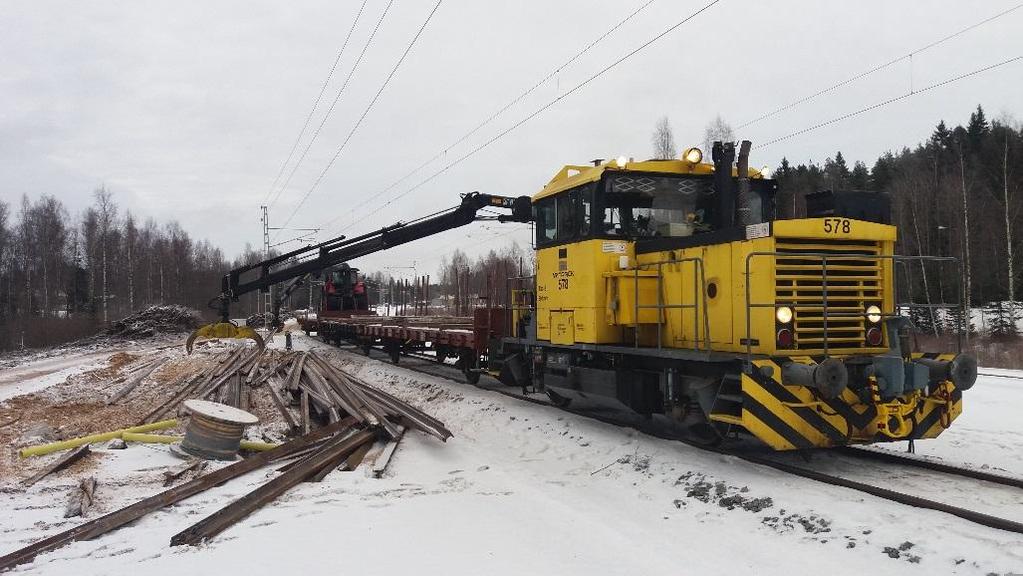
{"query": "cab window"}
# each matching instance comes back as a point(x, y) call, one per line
point(565, 217)
point(640, 205)
point(546, 222)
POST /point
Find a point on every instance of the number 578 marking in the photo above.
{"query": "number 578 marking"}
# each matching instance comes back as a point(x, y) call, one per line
point(836, 225)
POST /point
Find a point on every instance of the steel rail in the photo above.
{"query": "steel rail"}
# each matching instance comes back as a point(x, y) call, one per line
point(1009, 376)
point(902, 498)
point(871, 454)
point(884, 493)
point(128, 514)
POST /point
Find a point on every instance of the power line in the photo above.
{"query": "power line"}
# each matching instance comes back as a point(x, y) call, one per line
point(366, 111)
point(889, 101)
point(546, 106)
point(316, 103)
point(503, 109)
point(443, 252)
point(878, 68)
point(337, 97)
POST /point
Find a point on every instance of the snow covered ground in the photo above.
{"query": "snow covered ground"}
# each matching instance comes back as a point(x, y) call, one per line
point(528, 489)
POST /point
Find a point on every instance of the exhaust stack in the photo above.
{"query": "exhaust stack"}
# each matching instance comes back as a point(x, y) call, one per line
point(724, 156)
point(744, 215)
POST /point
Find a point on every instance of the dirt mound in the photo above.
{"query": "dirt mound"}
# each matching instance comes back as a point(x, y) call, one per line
point(156, 320)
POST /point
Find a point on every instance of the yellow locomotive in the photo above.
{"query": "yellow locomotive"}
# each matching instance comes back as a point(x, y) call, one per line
point(670, 287)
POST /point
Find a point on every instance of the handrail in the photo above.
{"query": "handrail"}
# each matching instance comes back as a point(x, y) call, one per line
point(825, 256)
point(699, 287)
point(511, 308)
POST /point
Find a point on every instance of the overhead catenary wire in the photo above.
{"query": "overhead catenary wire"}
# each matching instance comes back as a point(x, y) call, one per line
point(501, 110)
point(547, 106)
point(889, 101)
point(316, 103)
point(333, 104)
point(438, 255)
point(878, 68)
point(365, 112)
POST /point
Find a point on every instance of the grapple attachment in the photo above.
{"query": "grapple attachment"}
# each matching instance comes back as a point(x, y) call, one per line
point(224, 330)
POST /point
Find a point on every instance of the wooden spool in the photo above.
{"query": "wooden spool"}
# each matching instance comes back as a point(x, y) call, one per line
point(214, 430)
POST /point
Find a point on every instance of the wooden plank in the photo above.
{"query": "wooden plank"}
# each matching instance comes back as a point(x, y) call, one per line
point(197, 465)
point(63, 462)
point(82, 498)
point(135, 381)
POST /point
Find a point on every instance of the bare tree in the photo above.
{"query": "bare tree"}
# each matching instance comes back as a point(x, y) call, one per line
point(1007, 217)
point(663, 140)
point(131, 235)
point(717, 130)
point(106, 212)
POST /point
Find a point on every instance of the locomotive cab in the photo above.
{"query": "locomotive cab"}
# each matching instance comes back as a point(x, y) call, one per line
point(669, 286)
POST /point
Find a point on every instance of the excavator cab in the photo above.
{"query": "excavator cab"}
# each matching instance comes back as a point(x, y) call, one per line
point(343, 291)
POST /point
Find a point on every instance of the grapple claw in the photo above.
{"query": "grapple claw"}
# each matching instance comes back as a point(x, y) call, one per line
point(224, 330)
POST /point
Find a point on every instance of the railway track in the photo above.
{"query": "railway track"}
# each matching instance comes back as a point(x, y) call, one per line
point(1008, 376)
point(649, 427)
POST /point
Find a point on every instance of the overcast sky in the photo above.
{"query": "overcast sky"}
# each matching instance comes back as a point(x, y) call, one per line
point(186, 110)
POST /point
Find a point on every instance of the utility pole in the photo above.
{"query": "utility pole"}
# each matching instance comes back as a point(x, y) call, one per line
point(268, 295)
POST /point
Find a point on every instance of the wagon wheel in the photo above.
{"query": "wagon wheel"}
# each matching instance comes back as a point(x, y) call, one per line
point(469, 362)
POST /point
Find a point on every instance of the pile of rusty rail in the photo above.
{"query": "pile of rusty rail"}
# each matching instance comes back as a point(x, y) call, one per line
point(360, 415)
point(229, 378)
point(325, 392)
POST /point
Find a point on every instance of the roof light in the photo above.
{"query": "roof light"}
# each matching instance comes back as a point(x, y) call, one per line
point(693, 155)
point(621, 161)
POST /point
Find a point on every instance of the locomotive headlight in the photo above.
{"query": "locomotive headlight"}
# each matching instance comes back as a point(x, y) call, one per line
point(692, 155)
point(783, 314)
point(621, 161)
point(873, 314)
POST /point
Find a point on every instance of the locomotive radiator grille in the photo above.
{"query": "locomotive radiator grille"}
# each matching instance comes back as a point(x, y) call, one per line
point(852, 285)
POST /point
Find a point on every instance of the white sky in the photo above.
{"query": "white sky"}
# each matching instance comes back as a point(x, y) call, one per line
point(186, 110)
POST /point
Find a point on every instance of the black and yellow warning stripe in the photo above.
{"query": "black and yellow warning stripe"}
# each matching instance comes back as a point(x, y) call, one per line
point(929, 420)
point(795, 417)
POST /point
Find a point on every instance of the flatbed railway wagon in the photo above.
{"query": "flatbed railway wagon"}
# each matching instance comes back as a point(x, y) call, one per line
point(463, 338)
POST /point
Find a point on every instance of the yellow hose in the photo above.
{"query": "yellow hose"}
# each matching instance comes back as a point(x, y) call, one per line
point(150, 438)
point(43, 449)
point(170, 439)
point(257, 446)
